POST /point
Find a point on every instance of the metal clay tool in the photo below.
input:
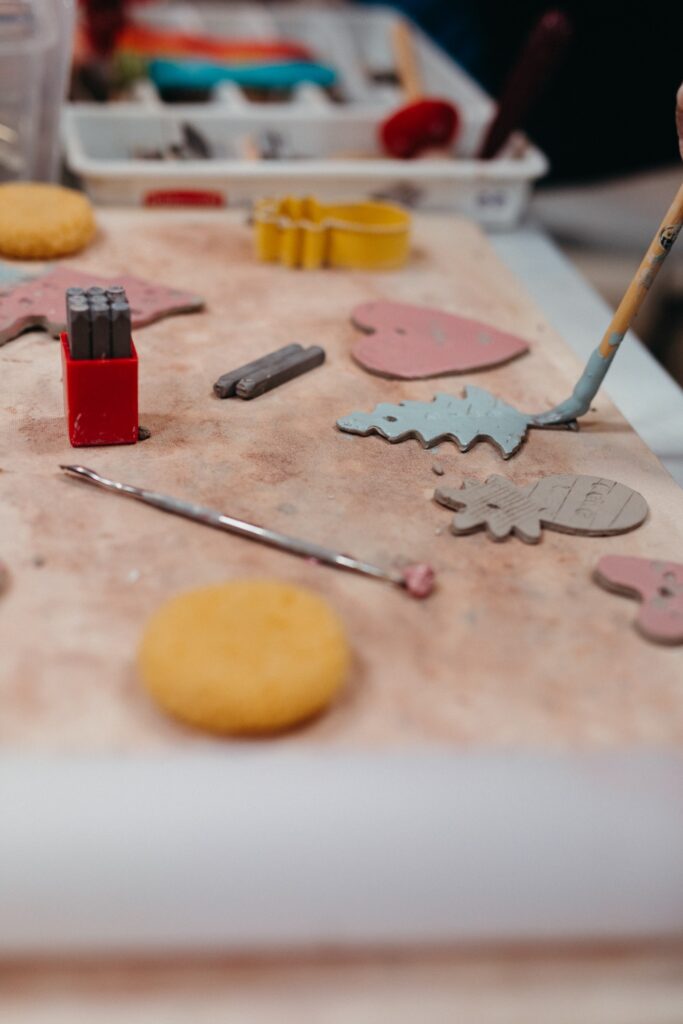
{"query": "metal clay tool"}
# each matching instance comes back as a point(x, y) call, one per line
point(226, 385)
point(195, 144)
point(100, 326)
point(417, 579)
point(98, 323)
point(120, 327)
point(78, 323)
point(99, 368)
point(269, 377)
point(190, 144)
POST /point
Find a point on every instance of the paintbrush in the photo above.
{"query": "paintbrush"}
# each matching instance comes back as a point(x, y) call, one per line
point(417, 579)
point(599, 363)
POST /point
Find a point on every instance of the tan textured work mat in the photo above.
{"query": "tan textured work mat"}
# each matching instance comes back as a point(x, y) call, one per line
point(518, 646)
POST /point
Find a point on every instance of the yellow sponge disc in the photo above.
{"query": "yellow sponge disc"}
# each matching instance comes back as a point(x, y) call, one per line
point(248, 656)
point(41, 222)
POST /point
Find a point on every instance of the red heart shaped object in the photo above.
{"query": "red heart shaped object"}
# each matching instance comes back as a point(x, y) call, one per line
point(425, 124)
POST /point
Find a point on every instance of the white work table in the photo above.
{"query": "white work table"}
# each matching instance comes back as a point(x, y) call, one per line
point(595, 983)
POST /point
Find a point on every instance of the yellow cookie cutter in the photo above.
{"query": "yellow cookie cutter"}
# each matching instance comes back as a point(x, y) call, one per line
point(305, 233)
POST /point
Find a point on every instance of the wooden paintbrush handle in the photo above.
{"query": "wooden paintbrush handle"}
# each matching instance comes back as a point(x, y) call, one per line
point(589, 382)
point(406, 60)
point(659, 248)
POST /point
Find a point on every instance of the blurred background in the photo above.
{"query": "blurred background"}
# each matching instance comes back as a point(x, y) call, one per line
point(604, 118)
point(606, 123)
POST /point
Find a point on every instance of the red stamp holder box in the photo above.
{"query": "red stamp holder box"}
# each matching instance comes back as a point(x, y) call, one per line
point(100, 398)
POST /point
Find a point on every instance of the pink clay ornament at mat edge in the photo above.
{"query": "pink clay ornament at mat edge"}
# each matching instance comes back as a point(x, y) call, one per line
point(658, 585)
point(413, 342)
point(39, 301)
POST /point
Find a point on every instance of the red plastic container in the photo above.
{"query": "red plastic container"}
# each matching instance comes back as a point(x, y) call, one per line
point(100, 398)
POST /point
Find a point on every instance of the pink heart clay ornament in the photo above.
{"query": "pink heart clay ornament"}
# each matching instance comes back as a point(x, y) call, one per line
point(659, 585)
point(40, 301)
point(413, 342)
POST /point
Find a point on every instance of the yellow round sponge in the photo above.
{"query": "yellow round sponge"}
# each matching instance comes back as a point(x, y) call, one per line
point(250, 656)
point(41, 222)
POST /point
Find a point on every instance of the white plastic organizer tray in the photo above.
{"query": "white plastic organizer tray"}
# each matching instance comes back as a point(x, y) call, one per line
point(326, 143)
